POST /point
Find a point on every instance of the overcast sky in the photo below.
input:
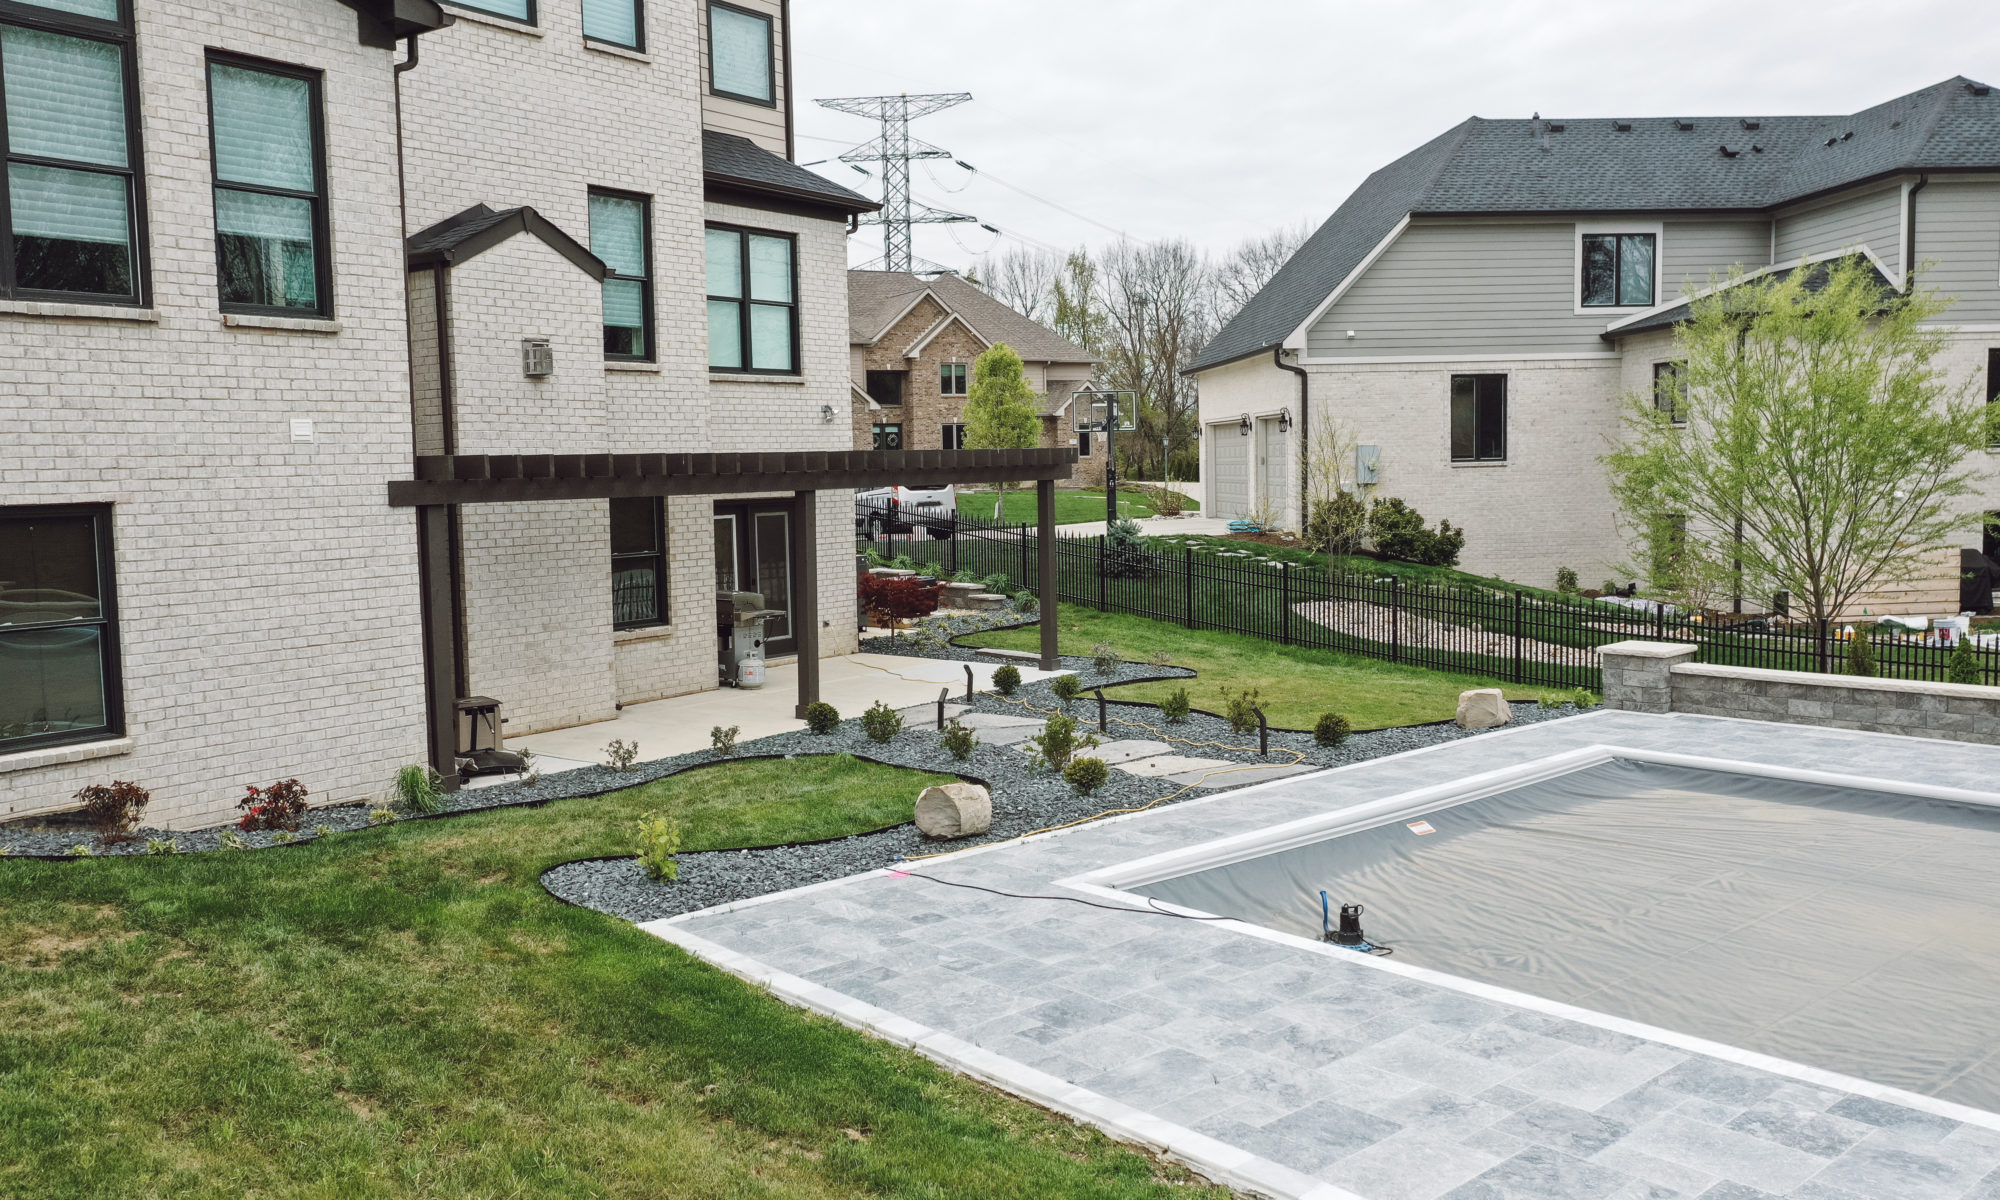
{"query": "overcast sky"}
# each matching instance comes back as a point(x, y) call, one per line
point(1218, 119)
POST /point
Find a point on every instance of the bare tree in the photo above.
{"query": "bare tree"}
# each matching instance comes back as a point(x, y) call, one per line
point(1022, 278)
point(1244, 271)
point(1158, 309)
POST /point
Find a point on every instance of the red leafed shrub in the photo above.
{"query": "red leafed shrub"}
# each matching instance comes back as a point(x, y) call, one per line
point(276, 807)
point(113, 807)
point(890, 599)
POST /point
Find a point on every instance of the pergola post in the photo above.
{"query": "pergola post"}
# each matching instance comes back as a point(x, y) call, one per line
point(440, 638)
point(805, 595)
point(1045, 552)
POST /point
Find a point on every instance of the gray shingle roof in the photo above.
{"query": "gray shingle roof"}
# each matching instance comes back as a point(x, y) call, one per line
point(875, 298)
point(1602, 164)
point(479, 228)
point(1674, 314)
point(729, 159)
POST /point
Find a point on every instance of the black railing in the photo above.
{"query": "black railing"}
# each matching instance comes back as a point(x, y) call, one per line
point(1509, 635)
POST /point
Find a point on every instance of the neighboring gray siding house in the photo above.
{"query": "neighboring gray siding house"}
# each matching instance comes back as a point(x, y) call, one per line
point(1505, 278)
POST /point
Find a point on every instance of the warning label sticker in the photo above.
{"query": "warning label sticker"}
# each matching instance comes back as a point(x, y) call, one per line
point(1421, 828)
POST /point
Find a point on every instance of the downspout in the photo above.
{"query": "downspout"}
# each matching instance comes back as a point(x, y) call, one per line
point(1910, 231)
point(785, 52)
point(1305, 442)
point(402, 197)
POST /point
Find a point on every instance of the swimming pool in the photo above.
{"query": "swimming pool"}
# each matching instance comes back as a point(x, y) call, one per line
point(1849, 928)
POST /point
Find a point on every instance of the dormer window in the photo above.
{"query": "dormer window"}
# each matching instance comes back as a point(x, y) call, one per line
point(1618, 269)
point(740, 58)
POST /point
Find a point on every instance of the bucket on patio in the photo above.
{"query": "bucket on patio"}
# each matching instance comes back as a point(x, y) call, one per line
point(744, 665)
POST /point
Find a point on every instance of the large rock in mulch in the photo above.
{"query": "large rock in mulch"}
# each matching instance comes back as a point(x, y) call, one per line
point(954, 810)
point(1483, 708)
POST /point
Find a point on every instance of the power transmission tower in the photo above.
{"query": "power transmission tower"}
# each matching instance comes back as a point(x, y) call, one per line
point(894, 148)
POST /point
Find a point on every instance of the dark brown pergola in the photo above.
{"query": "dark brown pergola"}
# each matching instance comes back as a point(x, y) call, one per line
point(443, 482)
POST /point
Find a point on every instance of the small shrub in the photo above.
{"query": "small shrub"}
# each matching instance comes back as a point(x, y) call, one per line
point(1160, 658)
point(1086, 775)
point(1175, 708)
point(1026, 602)
point(1610, 588)
point(1058, 742)
point(417, 788)
point(379, 816)
point(1006, 677)
point(1964, 665)
point(276, 807)
point(903, 562)
point(113, 807)
point(1398, 532)
point(1565, 581)
point(232, 840)
point(822, 718)
point(965, 575)
point(621, 754)
point(890, 601)
point(722, 739)
point(1104, 657)
point(659, 840)
point(322, 829)
point(1240, 709)
point(284, 837)
point(162, 846)
point(958, 740)
point(79, 851)
point(1124, 550)
point(1336, 525)
point(6, 850)
point(1860, 655)
point(880, 722)
point(1066, 688)
point(1331, 729)
point(1166, 501)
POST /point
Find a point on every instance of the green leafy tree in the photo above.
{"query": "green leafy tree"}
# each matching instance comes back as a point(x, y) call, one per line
point(1819, 444)
point(1002, 411)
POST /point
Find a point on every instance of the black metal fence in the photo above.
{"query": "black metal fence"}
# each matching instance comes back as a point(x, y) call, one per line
point(1507, 635)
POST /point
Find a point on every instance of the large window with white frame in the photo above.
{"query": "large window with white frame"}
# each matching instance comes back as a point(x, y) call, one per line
point(742, 58)
point(58, 627)
point(72, 196)
point(268, 154)
point(1619, 270)
point(954, 378)
point(752, 301)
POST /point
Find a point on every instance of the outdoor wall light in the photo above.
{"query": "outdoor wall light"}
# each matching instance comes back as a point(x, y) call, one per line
point(1284, 420)
point(826, 414)
point(1243, 426)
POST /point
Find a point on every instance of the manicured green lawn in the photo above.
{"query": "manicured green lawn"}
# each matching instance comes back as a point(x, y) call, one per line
point(1073, 507)
point(1295, 684)
point(1363, 564)
point(403, 1013)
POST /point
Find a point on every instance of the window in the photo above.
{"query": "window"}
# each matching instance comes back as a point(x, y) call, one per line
point(951, 379)
point(514, 10)
point(1993, 385)
point(886, 387)
point(954, 437)
point(1478, 418)
point(1618, 270)
point(752, 317)
point(889, 437)
point(270, 188)
point(621, 229)
point(58, 627)
point(619, 22)
point(638, 562)
point(739, 55)
point(71, 141)
point(1083, 443)
point(1667, 390)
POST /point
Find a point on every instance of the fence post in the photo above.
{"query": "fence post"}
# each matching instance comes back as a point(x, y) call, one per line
point(1285, 599)
point(1187, 579)
point(954, 546)
point(1023, 539)
point(1100, 573)
point(1518, 677)
point(1395, 618)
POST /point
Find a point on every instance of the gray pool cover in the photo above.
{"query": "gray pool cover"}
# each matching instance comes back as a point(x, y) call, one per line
point(1850, 930)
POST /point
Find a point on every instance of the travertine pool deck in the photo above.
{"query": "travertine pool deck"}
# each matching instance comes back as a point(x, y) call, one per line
point(1288, 1069)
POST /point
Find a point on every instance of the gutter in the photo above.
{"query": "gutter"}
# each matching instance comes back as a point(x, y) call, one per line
point(1305, 441)
point(1910, 231)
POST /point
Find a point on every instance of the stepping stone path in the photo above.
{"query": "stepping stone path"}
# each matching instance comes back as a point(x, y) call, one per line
point(1156, 760)
point(1001, 729)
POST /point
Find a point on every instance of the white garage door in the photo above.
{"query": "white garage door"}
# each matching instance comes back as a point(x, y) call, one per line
point(1231, 463)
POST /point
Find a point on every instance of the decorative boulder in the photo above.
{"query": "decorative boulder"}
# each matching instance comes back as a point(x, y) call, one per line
point(1483, 708)
point(954, 810)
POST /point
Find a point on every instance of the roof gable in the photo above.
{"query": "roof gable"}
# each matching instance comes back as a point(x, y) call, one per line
point(479, 228)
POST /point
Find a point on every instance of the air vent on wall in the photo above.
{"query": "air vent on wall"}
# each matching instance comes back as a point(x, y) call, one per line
point(538, 358)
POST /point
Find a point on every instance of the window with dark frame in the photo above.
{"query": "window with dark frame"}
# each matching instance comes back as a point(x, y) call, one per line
point(741, 54)
point(638, 562)
point(73, 195)
point(59, 677)
point(615, 22)
point(1993, 388)
point(1083, 443)
point(621, 233)
point(1668, 389)
point(514, 10)
point(886, 387)
point(889, 437)
point(1618, 270)
point(1478, 418)
point(952, 379)
point(752, 306)
point(954, 436)
point(267, 151)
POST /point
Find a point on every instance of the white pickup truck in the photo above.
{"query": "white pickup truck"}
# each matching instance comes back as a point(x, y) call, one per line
point(890, 510)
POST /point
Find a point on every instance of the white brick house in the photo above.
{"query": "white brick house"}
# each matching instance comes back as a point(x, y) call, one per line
point(268, 268)
point(1518, 277)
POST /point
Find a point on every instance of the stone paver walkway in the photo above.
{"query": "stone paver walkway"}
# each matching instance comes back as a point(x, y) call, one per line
point(1291, 1069)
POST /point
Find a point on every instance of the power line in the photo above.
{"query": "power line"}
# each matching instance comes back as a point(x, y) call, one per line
point(894, 149)
point(1012, 187)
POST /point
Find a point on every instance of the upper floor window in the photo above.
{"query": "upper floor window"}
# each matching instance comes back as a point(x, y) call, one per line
point(71, 141)
point(1618, 270)
point(1478, 418)
point(951, 379)
point(1668, 388)
point(638, 561)
point(620, 234)
point(270, 188)
point(740, 56)
point(752, 313)
point(58, 627)
point(619, 22)
point(514, 10)
point(886, 387)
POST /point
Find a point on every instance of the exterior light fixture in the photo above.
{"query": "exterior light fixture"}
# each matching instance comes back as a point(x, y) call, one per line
point(1284, 420)
point(826, 414)
point(1243, 426)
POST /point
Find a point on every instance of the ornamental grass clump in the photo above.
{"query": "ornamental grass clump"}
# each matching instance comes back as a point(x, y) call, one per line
point(1006, 678)
point(418, 789)
point(958, 740)
point(659, 840)
point(1086, 775)
point(881, 723)
point(822, 718)
point(1331, 730)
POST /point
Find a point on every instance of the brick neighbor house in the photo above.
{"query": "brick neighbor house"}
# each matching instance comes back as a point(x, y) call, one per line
point(913, 343)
